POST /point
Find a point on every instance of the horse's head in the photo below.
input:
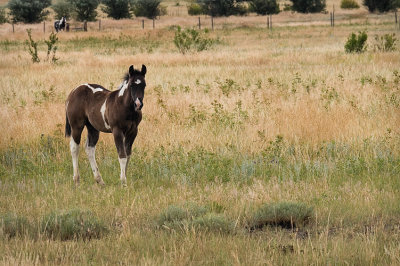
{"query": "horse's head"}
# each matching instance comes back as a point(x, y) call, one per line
point(136, 85)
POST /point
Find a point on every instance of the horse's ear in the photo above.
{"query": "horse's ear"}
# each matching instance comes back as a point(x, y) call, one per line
point(144, 70)
point(131, 70)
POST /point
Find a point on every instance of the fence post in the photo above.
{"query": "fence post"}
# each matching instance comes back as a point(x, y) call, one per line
point(44, 26)
point(85, 25)
point(142, 23)
point(67, 27)
point(154, 23)
point(99, 24)
point(212, 22)
point(199, 24)
point(13, 27)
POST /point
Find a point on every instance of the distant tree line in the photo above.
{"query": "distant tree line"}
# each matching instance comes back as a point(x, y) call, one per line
point(32, 11)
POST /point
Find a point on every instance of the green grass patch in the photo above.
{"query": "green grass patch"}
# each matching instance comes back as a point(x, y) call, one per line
point(283, 214)
point(73, 224)
point(193, 216)
point(12, 225)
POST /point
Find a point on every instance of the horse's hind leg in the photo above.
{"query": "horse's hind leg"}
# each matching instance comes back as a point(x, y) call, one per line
point(74, 146)
point(90, 147)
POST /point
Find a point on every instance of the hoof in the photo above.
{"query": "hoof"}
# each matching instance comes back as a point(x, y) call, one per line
point(77, 180)
point(123, 183)
point(100, 182)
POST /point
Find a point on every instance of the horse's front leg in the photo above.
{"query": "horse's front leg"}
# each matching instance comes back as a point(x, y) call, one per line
point(120, 139)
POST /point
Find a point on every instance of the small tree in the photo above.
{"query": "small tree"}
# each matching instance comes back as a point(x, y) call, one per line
point(62, 9)
point(146, 8)
point(308, 6)
point(380, 5)
point(195, 9)
point(3, 15)
point(117, 9)
point(356, 43)
point(85, 9)
point(264, 7)
point(28, 11)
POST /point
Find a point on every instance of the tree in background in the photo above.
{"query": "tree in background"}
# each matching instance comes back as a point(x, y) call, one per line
point(28, 11)
point(85, 9)
point(381, 5)
point(218, 8)
point(147, 8)
point(62, 9)
point(349, 4)
point(308, 6)
point(117, 9)
point(264, 7)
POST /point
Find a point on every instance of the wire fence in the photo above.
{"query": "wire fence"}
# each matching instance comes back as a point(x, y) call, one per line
point(331, 19)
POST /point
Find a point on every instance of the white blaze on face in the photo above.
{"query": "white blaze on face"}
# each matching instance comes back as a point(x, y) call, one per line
point(138, 81)
point(93, 89)
point(103, 111)
point(137, 102)
point(123, 87)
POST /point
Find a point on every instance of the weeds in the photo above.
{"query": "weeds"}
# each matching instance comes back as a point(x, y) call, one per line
point(32, 47)
point(12, 225)
point(386, 43)
point(52, 47)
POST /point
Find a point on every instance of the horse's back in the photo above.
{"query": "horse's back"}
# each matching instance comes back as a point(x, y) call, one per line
point(84, 105)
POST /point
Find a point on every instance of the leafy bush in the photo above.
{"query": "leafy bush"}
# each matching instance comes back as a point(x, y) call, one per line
point(28, 11)
point(386, 43)
point(308, 6)
point(380, 5)
point(116, 9)
point(3, 15)
point(264, 7)
point(73, 224)
point(356, 43)
point(349, 4)
point(62, 9)
point(147, 8)
point(84, 9)
point(195, 9)
point(283, 214)
point(52, 47)
point(191, 39)
point(12, 225)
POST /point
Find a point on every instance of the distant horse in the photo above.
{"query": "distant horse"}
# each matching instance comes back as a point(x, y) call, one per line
point(117, 112)
point(60, 24)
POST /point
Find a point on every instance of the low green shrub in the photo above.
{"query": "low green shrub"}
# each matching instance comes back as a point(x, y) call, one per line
point(349, 4)
point(191, 40)
point(356, 43)
point(386, 43)
point(12, 225)
point(283, 214)
point(73, 224)
point(213, 223)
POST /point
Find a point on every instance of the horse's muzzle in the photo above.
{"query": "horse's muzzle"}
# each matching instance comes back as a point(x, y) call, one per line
point(138, 104)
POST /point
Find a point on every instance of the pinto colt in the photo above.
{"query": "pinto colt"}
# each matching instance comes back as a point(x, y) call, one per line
point(117, 112)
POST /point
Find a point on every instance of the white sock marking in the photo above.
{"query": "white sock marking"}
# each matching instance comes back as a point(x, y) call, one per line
point(93, 89)
point(122, 88)
point(90, 151)
point(123, 162)
point(102, 111)
point(75, 153)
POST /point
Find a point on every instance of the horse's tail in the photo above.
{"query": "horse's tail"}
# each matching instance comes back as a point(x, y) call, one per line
point(67, 127)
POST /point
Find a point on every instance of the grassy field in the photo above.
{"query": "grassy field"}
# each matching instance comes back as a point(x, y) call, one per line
point(262, 117)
